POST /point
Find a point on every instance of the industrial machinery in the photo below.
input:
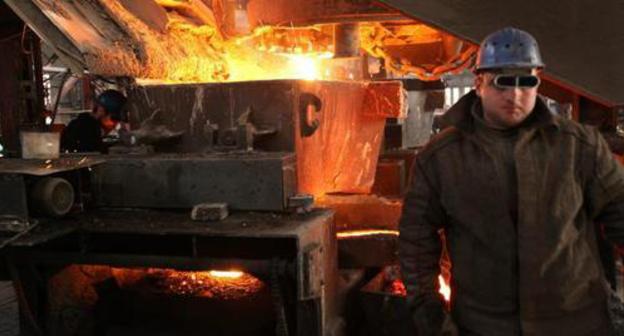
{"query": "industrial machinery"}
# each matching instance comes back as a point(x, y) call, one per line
point(260, 184)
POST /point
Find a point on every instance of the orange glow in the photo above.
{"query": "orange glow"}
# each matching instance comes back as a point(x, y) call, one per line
point(266, 53)
point(212, 284)
point(398, 46)
point(193, 47)
point(226, 274)
point(308, 67)
point(184, 41)
point(397, 287)
point(445, 290)
point(366, 233)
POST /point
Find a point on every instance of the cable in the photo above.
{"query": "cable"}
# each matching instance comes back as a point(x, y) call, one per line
point(23, 39)
point(51, 59)
point(9, 38)
point(58, 96)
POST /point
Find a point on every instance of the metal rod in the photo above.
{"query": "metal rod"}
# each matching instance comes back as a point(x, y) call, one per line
point(58, 96)
point(38, 78)
point(258, 267)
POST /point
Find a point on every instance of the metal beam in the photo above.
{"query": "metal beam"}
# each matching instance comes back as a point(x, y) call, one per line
point(581, 40)
point(48, 32)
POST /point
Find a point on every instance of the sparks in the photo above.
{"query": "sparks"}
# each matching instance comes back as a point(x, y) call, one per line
point(307, 67)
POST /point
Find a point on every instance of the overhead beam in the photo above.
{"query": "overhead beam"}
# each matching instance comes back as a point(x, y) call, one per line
point(581, 40)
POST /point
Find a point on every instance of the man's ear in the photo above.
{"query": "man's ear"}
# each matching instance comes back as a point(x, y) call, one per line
point(478, 83)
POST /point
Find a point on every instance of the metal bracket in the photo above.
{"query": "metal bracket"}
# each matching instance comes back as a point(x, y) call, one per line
point(301, 203)
point(308, 122)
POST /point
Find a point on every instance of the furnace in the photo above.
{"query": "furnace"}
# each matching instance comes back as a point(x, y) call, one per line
point(136, 272)
point(253, 156)
point(259, 187)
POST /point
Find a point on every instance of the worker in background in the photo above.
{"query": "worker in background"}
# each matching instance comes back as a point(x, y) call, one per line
point(84, 134)
point(517, 191)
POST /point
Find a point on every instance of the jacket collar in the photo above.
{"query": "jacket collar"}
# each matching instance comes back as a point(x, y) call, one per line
point(460, 116)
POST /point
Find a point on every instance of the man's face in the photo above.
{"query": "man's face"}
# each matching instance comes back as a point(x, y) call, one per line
point(99, 112)
point(505, 107)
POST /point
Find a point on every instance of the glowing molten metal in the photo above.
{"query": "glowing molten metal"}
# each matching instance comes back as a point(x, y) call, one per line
point(445, 290)
point(212, 284)
point(366, 233)
point(226, 274)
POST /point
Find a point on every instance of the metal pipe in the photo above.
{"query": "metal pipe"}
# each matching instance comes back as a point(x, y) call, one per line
point(58, 97)
point(37, 78)
point(347, 40)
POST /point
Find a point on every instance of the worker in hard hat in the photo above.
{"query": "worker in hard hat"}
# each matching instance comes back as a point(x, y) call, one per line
point(84, 134)
point(517, 192)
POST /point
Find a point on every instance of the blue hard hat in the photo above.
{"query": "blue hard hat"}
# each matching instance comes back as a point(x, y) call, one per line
point(509, 48)
point(113, 102)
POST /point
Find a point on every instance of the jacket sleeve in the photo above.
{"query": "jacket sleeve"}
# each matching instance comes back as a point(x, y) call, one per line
point(419, 250)
point(68, 137)
point(605, 192)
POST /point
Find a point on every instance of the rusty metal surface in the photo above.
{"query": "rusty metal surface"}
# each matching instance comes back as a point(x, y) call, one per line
point(408, 156)
point(253, 242)
point(390, 179)
point(191, 108)
point(336, 149)
point(162, 223)
point(149, 238)
point(357, 212)
point(47, 167)
point(341, 156)
point(581, 41)
point(286, 12)
point(123, 38)
point(129, 38)
point(368, 251)
point(41, 234)
point(243, 180)
point(161, 239)
point(64, 46)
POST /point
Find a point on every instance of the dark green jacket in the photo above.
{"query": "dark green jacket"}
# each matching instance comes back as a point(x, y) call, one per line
point(539, 275)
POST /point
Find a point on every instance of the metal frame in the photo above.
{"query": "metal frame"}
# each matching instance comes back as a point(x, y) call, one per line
point(574, 57)
point(300, 245)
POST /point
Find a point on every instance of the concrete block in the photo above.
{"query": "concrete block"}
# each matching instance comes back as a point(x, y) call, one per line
point(209, 212)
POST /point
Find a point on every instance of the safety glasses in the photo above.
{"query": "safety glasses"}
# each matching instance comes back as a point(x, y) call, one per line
point(515, 81)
